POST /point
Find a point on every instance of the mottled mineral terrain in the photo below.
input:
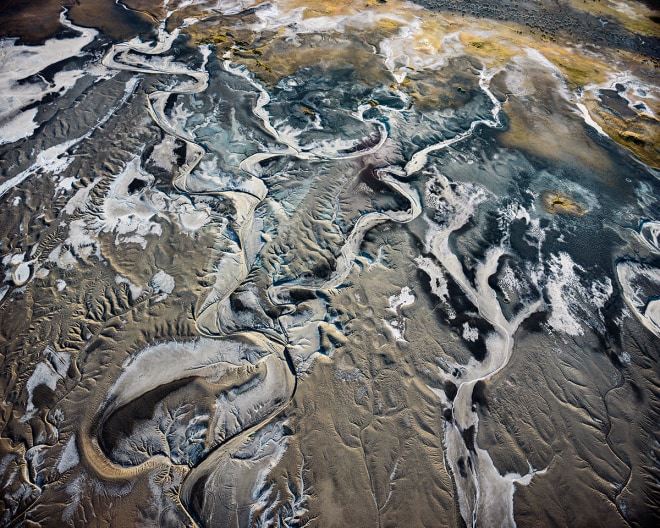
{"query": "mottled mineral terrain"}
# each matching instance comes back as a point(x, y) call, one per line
point(329, 263)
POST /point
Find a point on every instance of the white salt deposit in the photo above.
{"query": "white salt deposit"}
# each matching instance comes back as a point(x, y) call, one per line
point(641, 290)
point(21, 274)
point(570, 301)
point(405, 298)
point(135, 289)
point(69, 457)
point(18, 127)
point(46, 373)
point(588, 119)
point(20, 62)
point(470, 333)
point(54, 160)
point(161, 282)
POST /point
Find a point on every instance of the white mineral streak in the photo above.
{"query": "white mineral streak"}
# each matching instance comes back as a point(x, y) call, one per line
point(291, 23)
point(567, 296)
point(69, 457)
point(322, 150)
point(397, 326)
point(420, 158)
point(50, 160)
point(133, 217)
point(649, 233)
point(18, 63)
point(127, 56)
point(641, 290)
point(260, 362)
point(206, 358)
point(439, 286)
point(485, 496)
point(48, 373)
point(166, 363)
point(588, 119)
point(53, 159)
point(128, 216)
point(409, 51)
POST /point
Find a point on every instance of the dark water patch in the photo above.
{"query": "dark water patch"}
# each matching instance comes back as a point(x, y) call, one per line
point(536, 322)
point(136, 186)
point(43, 397)
point(48, 99)
point(180, 152)
point(469, 437)
point(519, 240)
point(451, 390)
point(197, 497)
point(617, 104)
point(479, 394)
point(461, 467)
point(612, 311)
point(474, 244)
point(169, 104)
point(592, 246)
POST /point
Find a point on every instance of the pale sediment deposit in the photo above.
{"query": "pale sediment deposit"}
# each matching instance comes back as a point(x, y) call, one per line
point(329, 264)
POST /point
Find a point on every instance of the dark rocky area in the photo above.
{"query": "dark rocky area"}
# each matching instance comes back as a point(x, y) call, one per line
point(557, 20)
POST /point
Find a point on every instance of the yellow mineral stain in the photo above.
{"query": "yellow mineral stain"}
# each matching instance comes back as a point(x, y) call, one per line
point(553, 134)
point(389, 25)
point(634, 16)
point(556, 202)
point(281, 58)
point(438, 90)
point(430, 36)
point(488, 48)
point(424, 43)
point(325, 8)
point(154, 8)
point(273, 55)
point(578, 69)
point(639, 133)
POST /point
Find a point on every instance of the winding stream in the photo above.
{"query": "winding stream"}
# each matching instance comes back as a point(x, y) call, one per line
point(481, 488)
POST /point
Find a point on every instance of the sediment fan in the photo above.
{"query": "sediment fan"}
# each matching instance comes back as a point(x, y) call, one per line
point(329, 264)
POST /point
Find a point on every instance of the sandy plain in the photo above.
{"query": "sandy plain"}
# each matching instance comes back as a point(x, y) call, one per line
point(376, 265)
